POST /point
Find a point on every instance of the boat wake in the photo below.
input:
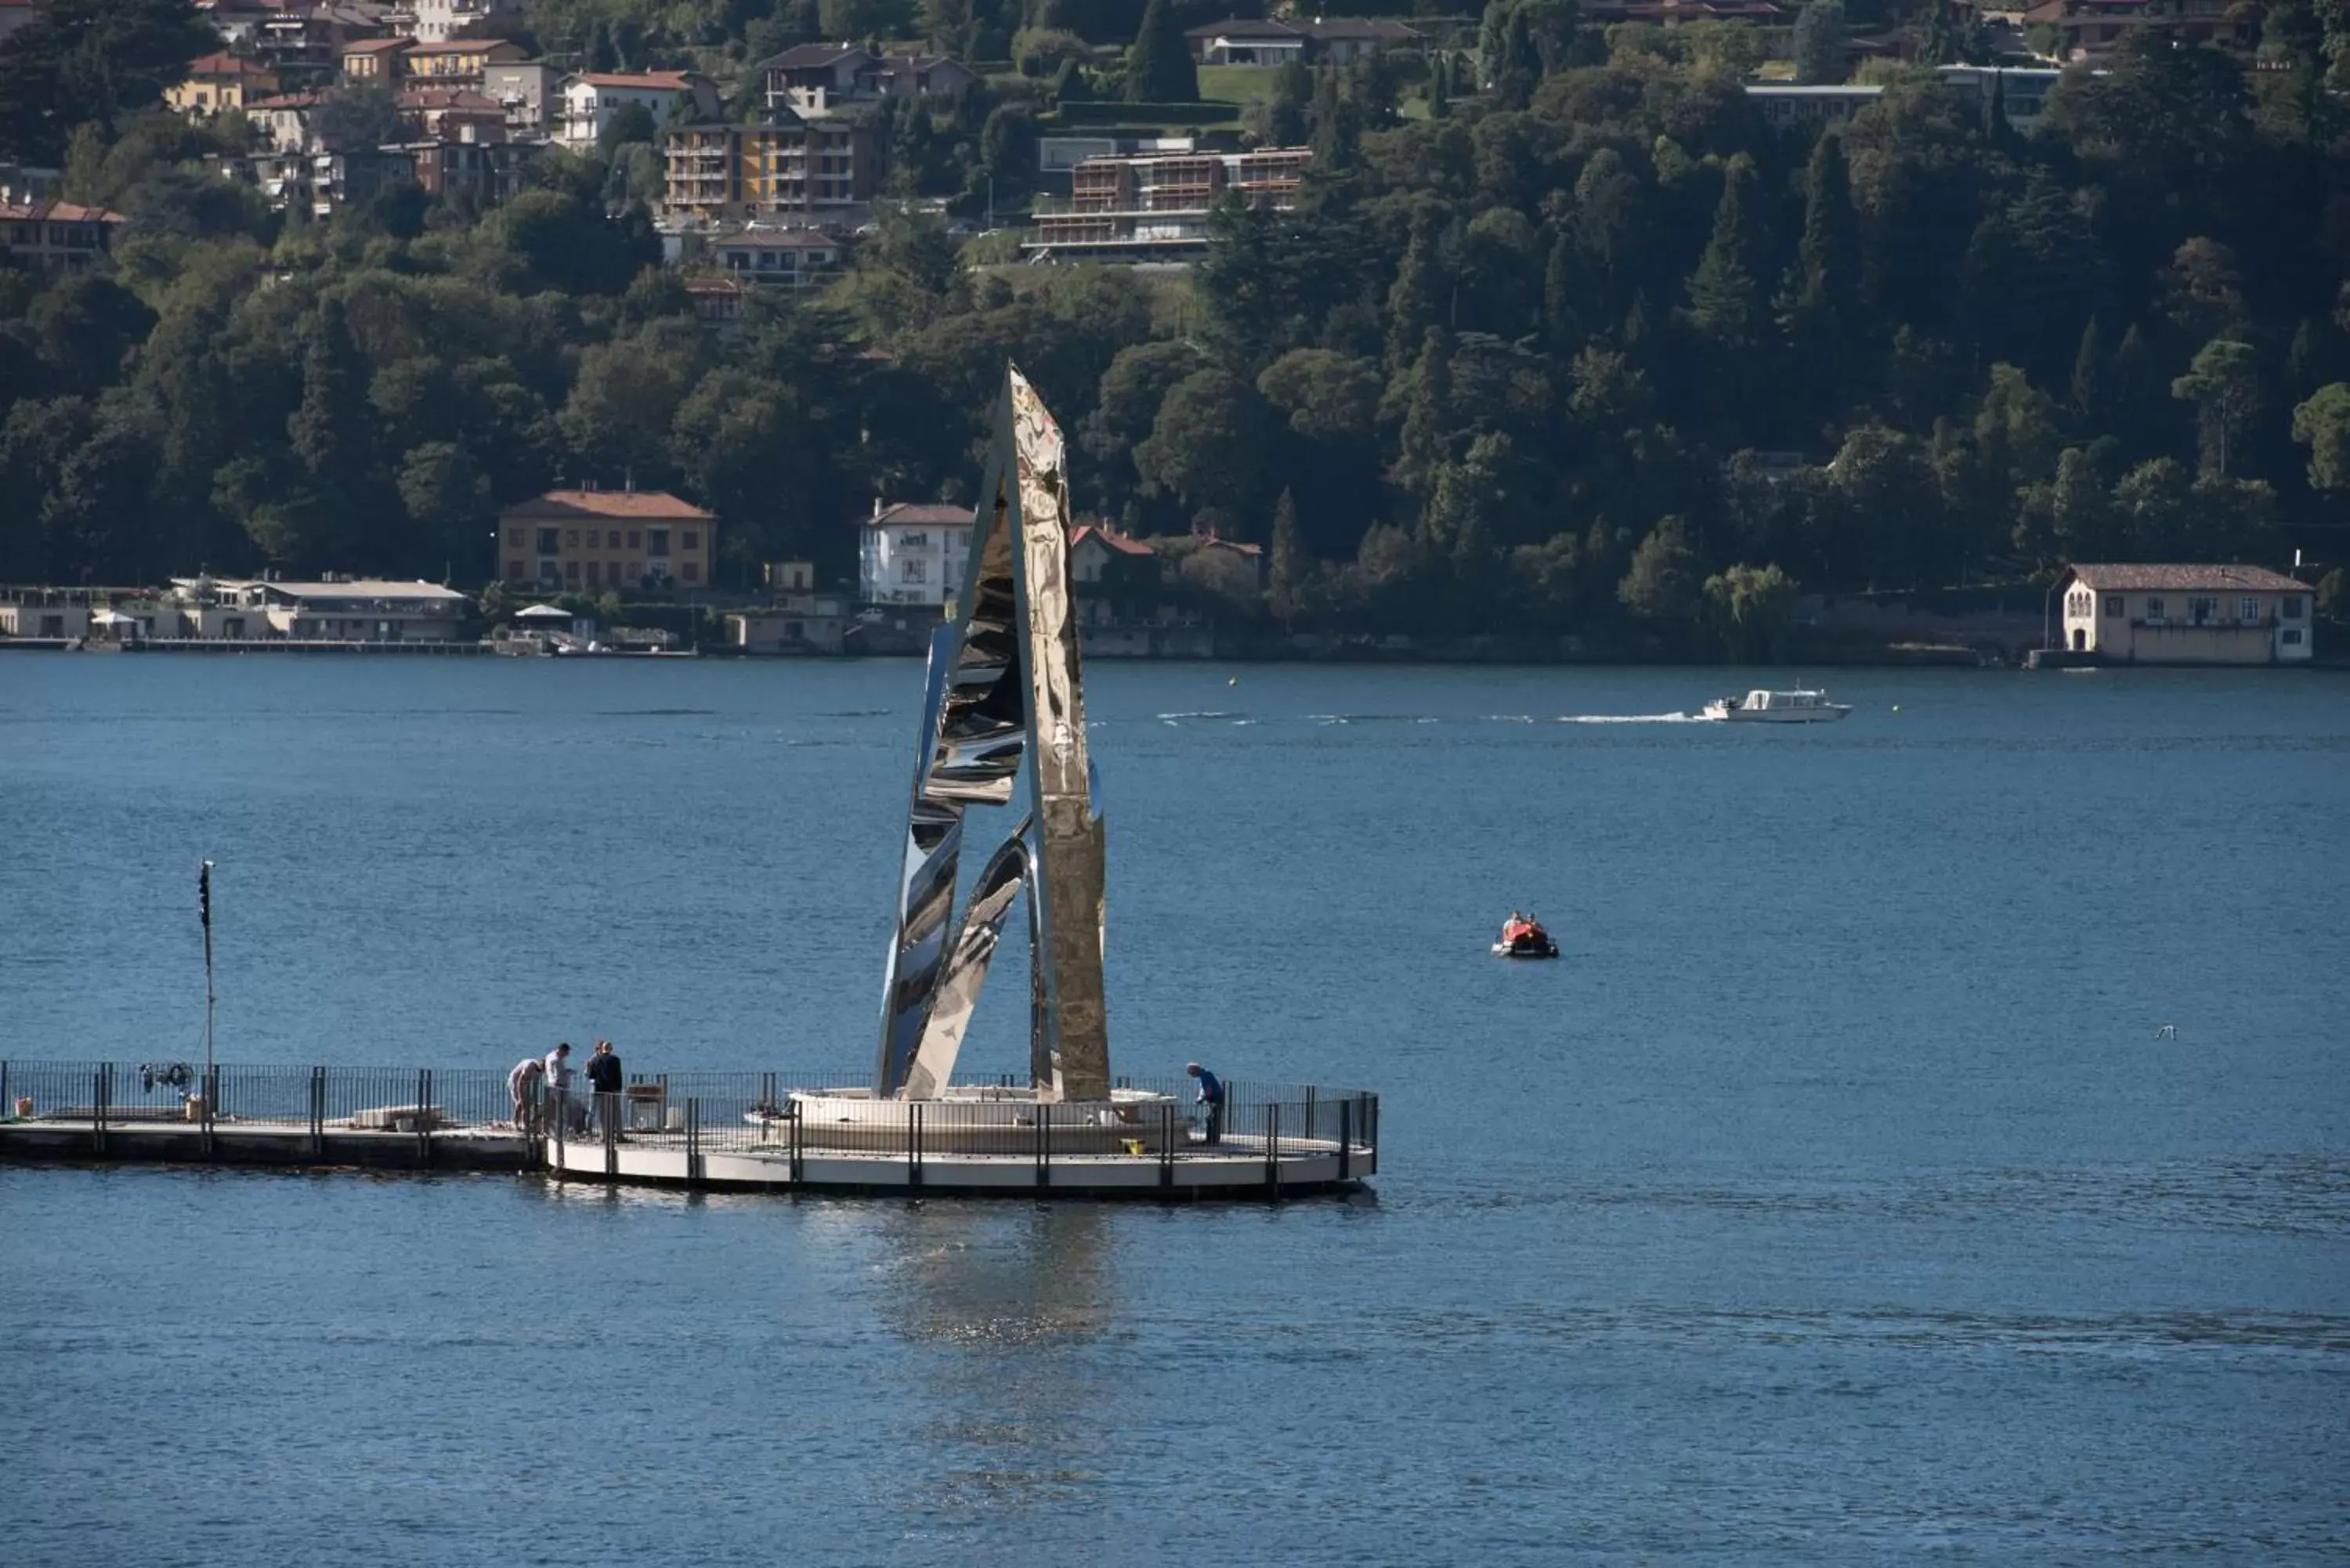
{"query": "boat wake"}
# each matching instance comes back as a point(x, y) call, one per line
point(1632, 719)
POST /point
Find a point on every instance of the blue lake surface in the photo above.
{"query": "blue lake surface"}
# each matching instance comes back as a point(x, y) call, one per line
point(1839, 1198)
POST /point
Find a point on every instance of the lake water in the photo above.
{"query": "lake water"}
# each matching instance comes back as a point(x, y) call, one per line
point(1840, 1198)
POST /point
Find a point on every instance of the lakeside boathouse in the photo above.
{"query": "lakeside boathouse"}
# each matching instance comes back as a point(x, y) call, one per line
point(2186, 615)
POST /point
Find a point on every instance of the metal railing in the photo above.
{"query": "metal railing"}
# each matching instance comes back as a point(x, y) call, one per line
point(784, 1115)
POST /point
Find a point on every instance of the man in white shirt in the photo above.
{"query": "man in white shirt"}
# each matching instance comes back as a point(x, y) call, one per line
point(558, 1085)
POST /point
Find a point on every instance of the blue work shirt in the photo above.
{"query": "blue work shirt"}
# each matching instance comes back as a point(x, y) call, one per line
point(1211, 1089)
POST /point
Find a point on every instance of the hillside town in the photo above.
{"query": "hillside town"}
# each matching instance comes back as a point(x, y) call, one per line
point(1642, 327)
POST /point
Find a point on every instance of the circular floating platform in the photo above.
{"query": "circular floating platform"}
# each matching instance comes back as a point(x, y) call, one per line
point(986, 1141)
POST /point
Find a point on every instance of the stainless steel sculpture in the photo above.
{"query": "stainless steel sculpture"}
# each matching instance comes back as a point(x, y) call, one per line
point(1004, 680)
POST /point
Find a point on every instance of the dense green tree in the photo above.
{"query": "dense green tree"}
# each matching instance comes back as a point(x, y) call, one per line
point(1205, 449)
point(1822, 54)
point(92, 61)
point(2322, 424)
point(1753, 609)
point(2224, 385)
point(1662, 584)
point(1159, 68)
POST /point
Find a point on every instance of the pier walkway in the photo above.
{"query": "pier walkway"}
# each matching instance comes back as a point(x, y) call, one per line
point(737, 1131)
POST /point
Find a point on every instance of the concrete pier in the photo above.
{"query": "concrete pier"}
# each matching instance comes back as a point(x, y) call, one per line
point(739, 1132)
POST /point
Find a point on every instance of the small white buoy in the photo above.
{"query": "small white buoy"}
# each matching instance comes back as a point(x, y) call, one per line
point(1897, 707)
point(1235, 680)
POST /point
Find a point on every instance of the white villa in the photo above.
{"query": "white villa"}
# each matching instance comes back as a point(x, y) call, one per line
point(913, 555)
point(590, 99)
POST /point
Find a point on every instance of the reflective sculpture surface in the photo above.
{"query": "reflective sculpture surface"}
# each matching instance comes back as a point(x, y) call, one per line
point(1004, 679)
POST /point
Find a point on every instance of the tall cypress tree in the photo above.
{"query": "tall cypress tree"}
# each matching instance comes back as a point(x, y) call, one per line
point(2089, 372)
point(1829, 251)
point(1159, 68)
point(1722, 300)
point(1412, 300)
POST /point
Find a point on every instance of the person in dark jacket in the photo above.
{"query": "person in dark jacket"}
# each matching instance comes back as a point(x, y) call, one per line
point(604, 1077)
point(1211, 1102)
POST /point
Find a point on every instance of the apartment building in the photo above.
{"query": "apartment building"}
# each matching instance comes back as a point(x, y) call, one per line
point(1156, 207)
point(714, 172)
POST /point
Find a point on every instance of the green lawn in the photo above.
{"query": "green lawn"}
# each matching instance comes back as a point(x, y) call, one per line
point(1242, 85)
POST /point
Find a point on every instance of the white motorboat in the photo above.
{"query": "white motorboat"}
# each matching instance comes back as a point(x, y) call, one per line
point(1801, 706)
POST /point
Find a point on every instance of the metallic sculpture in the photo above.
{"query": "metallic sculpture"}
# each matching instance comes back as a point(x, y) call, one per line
point(1004, 680)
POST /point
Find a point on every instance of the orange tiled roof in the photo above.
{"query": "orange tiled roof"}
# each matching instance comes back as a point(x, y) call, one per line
point(644, 81)
point(58, 211)
point(657, 504)
point(1124, 543)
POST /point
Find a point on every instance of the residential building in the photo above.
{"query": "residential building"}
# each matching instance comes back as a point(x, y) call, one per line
point(526, 90)
point(1784, 104)
point(435, 113)
point(717, 302)
point(912, 554)
point(55, 236)
point(304, 46)
point(2186, 615)
point(380, 60)
point(444, 21)
point(285, 120)
point(1117, 577)
point(792, 258)
point(1057, 157)
point(590, 540)
point(1334, 40)
point(217, 83)
point(2022, 91)
point(493, 170)
point(332, 610)
point(815, 80)
point(590, 101)
point(790, 164)
point(1157, 207)
point(802, 622)
point(2087, 28)
point(350, 179)
point(1673, 12)
point(459, 62)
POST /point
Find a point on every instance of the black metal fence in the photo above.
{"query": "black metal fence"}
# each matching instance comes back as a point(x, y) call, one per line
point(769, 1112)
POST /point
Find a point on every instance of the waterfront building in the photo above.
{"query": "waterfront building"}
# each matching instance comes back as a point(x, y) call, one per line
point(912, 554)
point(35, 612)
point(591, 540)
point(332, 610)
point(2186, 615)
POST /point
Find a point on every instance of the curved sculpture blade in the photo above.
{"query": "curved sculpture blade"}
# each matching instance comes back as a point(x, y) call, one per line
point(1007, 872)
point(1071, 1050)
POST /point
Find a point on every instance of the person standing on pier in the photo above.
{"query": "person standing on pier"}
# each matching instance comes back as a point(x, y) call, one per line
point(1211, 1102)
point(604, 1077)
point(558, 1085)
point(522, 1085)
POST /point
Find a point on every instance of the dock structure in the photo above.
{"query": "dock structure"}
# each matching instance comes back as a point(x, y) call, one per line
point(774, 1132)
